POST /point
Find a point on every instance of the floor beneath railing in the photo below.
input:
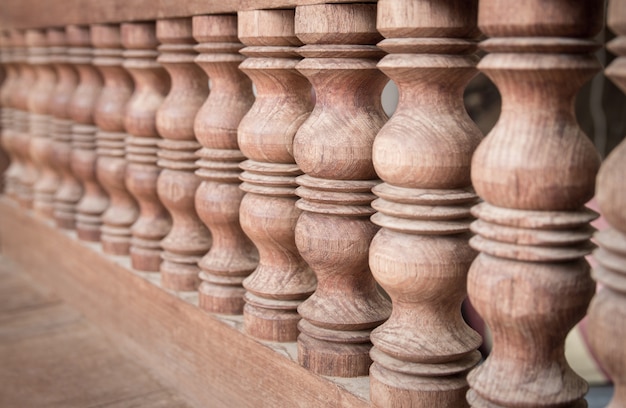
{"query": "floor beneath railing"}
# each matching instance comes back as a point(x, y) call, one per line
point(51, 356)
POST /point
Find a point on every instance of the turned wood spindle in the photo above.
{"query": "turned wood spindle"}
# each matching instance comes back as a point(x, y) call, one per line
point(110, 139)
point(70, 190)
point(188, 239)
point(421, 255)
point(606, 321)
point(151, 85)
point(333, 148)
point(84, 156)
point(268, 212)
point(11, 80)
point(26, 172)
point(232, 256)
point(535, 171)
point(4, 118)
point(40, 107)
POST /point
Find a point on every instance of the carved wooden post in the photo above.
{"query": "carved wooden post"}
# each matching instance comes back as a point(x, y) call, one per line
point(110, 139)
point(421, 255)
point(268, 212)
point(607, 314)
point(4, 118)
point(232, 256)
point(26, 173)
point(40, 106)
point(188, 239)
point(535, 170)
point(151, 84)
point(82, 108)
point(69, 190)
point(6, 99)
point(334, 149)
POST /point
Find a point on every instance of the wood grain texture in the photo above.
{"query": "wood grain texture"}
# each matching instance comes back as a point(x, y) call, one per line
point(18, 13)
point(53, 357)
point(94, 200)
point(151, 84)
point(421, 255)
point(109, 115)
point(188, 239)
point(26, 174)
point(535, 171)
point(192, 357)
point(4, 157)
point(69, 190)
point(40, 106)
point(232, 256)
point(607, 313)
point(333, 148)
point(268, 212)
point(11, 79)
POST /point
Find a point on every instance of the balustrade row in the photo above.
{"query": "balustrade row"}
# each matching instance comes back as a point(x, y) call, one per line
point(292, 203)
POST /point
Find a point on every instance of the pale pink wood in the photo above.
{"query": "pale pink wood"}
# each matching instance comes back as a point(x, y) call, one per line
point(421, 255)
point(188, 239)
point(40, 106)
point(607, 313)
point(70, 190)
point(268, 212)
point(151, 84)
point(232, 256)
point(333, 147)
point(111, 139)
point(83, 159)
point(26, 172)
point(4, 117)
point(535, 170)
point(10, 176)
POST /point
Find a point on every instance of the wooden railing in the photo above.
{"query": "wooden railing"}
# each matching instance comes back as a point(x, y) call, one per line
point(237, 155)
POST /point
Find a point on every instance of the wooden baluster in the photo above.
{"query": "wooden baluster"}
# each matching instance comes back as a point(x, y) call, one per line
point(268, 212)
point(83, 160)
point(4, 118)
point(535, 170)
point(188, 239)
point(334, 149)
point(26, 173)
point(40, 106)
point(421, 255)
point(232, 256)
point(6, 98)
point(151, 85)
point(69, 190)
point(607, 313)
point(110, 139)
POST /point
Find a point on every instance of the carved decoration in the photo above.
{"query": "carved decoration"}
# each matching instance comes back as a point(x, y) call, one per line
point(607, 313)
point(84, 156)
point(188, 239)
point(421, 255)
point(111, 137)
point(151, 84)
point(70, 190)
point(333, 148)
point(535, 171)
point(268, 212)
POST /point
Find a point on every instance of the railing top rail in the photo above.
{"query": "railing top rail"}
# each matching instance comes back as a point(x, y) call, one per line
point(52, 13)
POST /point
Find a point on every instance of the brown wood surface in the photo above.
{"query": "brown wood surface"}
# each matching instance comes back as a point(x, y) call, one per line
point(19, 13)
point(53, 357)
point(188, 348)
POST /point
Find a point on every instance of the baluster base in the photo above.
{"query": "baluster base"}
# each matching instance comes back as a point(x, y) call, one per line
point(332, 352)
point(271, 319)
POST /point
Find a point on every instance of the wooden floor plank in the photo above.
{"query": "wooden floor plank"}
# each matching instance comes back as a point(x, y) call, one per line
point(51, 356)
